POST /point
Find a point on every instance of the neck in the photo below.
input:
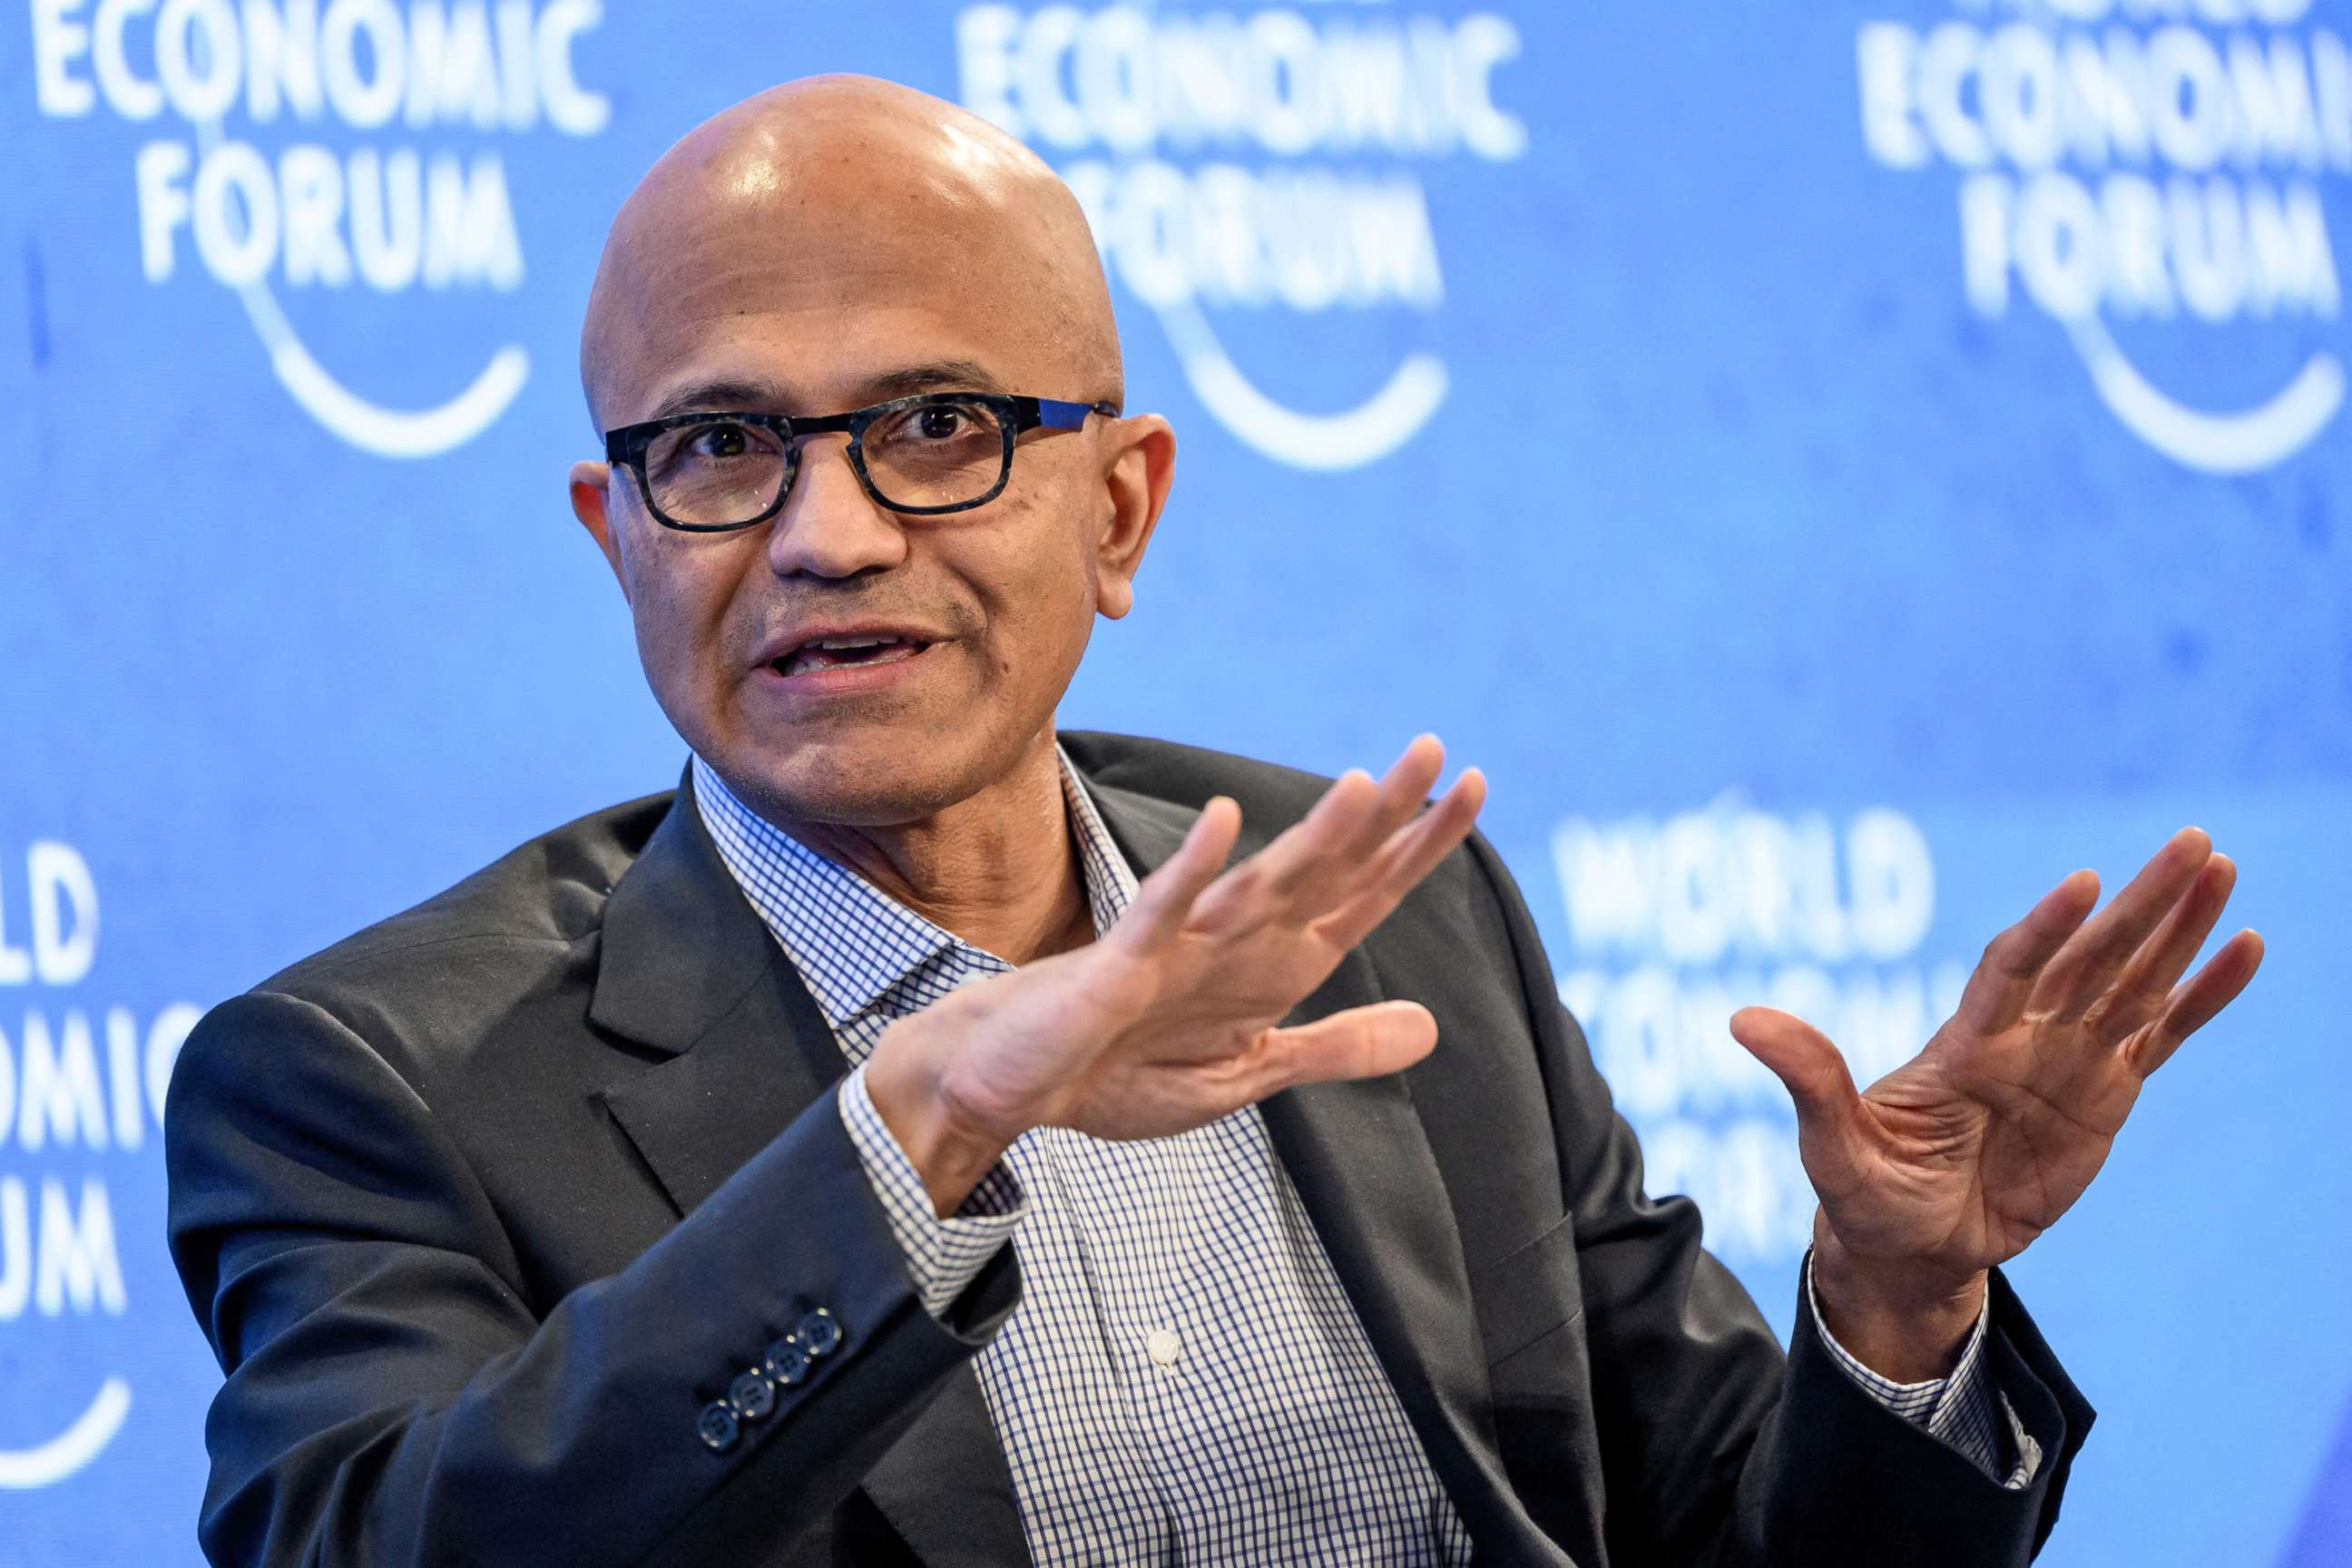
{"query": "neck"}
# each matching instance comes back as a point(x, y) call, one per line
point(999, 869)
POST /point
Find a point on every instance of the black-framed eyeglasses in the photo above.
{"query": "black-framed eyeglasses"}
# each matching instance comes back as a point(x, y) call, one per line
point(934, 452)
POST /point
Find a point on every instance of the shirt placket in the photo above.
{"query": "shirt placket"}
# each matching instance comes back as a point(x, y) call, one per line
point(1117, 1488)
point(1139, 1207)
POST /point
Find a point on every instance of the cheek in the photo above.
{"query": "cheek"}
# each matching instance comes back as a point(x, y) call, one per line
point(1042, 602)
point(681, 588)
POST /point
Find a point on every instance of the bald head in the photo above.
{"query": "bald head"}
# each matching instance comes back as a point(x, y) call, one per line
point(831, 218)
point(826, 247)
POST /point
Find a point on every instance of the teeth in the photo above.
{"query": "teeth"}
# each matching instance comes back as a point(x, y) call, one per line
point(800, 657)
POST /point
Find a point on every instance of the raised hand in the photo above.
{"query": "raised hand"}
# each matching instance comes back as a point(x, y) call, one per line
point(1955, 1161)
point(1171, 1019)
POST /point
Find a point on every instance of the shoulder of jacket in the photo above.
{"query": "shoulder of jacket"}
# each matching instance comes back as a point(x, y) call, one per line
point(1272, 797)
point(548, 893)
point(1191, 775)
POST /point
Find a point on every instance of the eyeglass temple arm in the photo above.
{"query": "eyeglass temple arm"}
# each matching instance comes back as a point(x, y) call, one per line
point(1055, 414)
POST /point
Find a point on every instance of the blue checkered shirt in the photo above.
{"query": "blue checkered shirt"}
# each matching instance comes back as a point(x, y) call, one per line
point(1184, 1379)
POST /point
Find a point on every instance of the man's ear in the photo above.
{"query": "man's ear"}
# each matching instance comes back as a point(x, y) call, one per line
point(590, 486)
point(1142, 467)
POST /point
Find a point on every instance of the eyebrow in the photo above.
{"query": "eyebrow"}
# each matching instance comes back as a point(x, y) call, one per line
point(702, 395)
point(940, 375)
point(937, 375)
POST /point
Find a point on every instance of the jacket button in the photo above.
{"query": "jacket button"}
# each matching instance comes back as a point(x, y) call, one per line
point(819, 1332)
point(751, 1396)
point(717, 1427)
point(786, 1363)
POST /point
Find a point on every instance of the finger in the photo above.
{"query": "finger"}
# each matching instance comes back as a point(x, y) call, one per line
point(1165, 900)
point(2196, 999)
point(1830, 1127)
point(2086, 965)
point(2013, 960)
point(1411, 853)
point(1305, 885)
point(1264, 886)
point(1361, 1042)
point(2146, 984)
point(1403, 790)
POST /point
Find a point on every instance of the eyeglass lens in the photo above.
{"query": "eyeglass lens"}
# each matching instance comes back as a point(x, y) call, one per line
point(715, 472)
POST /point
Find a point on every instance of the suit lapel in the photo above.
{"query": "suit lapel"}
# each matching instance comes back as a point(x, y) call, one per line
point(689, 972)
point(1362, 1165)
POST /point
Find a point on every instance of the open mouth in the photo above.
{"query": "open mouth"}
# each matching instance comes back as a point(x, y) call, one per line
point(841, 653)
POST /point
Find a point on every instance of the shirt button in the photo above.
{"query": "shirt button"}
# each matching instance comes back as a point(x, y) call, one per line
point(1163, 1346)
point(717, 1427)
point(751, 1396)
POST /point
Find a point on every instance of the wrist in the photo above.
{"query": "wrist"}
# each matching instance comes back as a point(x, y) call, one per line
point(1906, 1322)
point(949, 1153)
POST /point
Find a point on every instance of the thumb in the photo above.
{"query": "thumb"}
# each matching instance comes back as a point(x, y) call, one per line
point(1361, 1042)
point(1829, 1109)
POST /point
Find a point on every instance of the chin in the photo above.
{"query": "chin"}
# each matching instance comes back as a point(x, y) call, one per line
point(884, 783)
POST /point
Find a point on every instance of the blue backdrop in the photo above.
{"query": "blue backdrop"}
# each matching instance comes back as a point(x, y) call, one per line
point(1838, 466)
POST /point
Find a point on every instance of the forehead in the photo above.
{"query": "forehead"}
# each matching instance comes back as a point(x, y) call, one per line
point(823, 284)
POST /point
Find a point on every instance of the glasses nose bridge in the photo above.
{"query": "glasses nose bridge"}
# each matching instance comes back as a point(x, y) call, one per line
point(800, 495)
point(851, 453)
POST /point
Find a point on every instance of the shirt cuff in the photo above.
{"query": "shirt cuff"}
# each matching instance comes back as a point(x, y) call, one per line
point(1963, 1410)
point(943, 1256)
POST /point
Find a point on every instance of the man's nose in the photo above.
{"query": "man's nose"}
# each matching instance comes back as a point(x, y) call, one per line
point(829, 526)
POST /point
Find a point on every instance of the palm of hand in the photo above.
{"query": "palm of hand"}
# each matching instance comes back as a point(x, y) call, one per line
point(1958, 1160)
point(1978, 1146)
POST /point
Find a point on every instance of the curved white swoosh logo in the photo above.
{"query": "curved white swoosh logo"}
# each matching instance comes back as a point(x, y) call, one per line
point(69, 1450)
point(1365, 434)
point(370, 426)
point(2239, 442)
point(386, 432)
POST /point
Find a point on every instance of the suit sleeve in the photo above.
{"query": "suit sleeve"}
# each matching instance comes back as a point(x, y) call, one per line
point(1716, 1447)
point(391, 1398)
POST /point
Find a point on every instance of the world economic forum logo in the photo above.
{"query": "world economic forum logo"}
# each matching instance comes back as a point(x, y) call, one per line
point(2149, 162)
point(1676, 921)
point(1233, 163)
point(244, 194)
point(81, 1094)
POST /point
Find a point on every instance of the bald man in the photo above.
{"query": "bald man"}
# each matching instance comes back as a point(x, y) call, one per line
point(912, 1141)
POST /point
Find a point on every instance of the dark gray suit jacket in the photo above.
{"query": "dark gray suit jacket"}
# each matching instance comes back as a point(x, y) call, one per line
point(479, 1208)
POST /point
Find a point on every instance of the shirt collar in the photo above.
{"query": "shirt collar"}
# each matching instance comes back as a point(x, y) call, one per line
point(851, 942)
